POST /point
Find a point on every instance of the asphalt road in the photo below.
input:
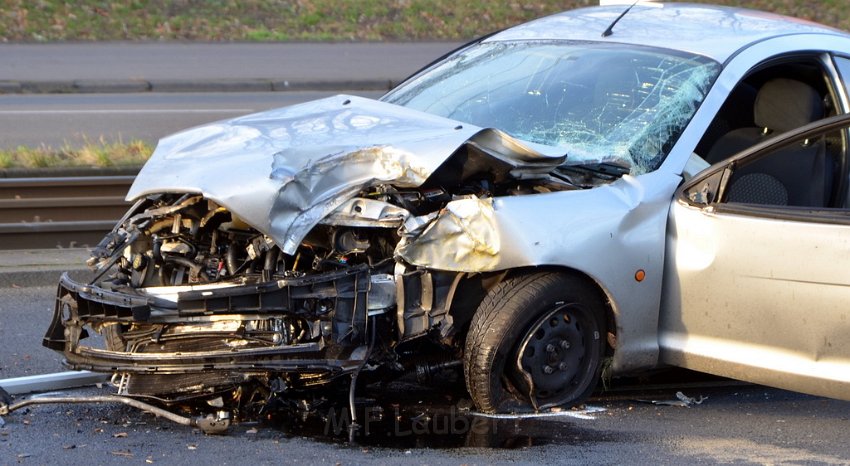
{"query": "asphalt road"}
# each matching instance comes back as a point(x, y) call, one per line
point(197, 61)
point(59, 119)
point(741, 424)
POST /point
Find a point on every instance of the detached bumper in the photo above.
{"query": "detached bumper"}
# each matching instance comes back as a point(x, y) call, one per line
point(334, 340)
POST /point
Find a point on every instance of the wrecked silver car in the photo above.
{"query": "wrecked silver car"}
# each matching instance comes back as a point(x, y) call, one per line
point(511, 210)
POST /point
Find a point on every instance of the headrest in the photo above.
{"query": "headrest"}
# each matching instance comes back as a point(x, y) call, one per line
point(784, 104)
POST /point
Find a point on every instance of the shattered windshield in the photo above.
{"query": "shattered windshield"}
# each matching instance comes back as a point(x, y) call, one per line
point(609, 103)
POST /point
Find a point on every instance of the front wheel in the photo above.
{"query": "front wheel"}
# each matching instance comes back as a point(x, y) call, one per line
point(535, 342)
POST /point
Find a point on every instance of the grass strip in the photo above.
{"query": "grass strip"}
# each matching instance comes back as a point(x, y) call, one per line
point(100, 153)
point(312, 20)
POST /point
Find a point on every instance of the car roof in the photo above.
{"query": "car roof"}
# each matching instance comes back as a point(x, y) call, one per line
point(713, 31)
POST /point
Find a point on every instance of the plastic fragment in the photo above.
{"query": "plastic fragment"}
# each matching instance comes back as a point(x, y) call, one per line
point(586, 413)
point(682, 401)
point(690, 401)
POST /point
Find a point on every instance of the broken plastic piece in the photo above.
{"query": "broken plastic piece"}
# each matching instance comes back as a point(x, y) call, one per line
point(690, 401)
point(586, 413)
point(681, 401)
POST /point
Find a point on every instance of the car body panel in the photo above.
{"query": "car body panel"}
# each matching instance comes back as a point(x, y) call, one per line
point(761, 300)
point(758, 292)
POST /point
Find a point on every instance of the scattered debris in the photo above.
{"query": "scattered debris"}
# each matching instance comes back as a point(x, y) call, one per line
point(120, 435)
point(122, 453)
point(586, 413)
point(681, 400)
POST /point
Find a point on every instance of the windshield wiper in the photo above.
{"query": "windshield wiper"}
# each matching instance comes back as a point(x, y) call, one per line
point(604, 170)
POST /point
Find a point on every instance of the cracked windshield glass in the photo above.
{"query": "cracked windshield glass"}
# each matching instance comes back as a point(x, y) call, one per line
point(617, 104)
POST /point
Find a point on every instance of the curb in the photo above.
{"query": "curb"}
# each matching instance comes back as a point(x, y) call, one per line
point(23, 268)
point(211, 85)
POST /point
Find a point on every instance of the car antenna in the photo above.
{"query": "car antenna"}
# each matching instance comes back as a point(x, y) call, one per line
point(610, 29)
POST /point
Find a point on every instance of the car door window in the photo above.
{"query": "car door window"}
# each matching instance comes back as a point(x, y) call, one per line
point(778, 96)
point(801, 173)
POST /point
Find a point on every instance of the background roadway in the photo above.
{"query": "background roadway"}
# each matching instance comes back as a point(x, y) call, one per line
point(59, 119)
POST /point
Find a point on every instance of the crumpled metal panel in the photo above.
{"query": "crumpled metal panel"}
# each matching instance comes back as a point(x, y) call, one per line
point(284, 170)
point(464, 237)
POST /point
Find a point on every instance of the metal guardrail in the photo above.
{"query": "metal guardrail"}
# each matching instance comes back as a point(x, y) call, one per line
point(61, 211)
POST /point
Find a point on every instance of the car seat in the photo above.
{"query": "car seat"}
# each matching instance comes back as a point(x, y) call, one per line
point(796, 174)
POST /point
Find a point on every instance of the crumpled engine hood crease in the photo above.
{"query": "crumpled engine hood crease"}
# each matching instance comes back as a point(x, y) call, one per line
point(284, 170)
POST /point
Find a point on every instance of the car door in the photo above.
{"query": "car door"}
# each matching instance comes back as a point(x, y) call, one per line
point(757, 288)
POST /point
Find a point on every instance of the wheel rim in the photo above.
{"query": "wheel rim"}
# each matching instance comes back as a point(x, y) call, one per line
point(553, 363)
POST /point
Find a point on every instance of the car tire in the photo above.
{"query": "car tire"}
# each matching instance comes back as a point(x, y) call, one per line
point(535, 342)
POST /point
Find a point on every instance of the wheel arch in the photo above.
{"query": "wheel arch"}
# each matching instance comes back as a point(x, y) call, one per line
point(479, 284)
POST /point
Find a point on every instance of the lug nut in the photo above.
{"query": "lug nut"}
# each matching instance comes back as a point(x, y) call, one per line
point(565, 344)
point(562, 366)
point(550, 348)
point(548, 369)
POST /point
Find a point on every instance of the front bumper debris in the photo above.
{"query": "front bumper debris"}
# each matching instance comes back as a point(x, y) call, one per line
point(331, 309)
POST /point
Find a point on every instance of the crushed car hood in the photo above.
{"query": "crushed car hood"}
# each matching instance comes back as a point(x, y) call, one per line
point(283, 170)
